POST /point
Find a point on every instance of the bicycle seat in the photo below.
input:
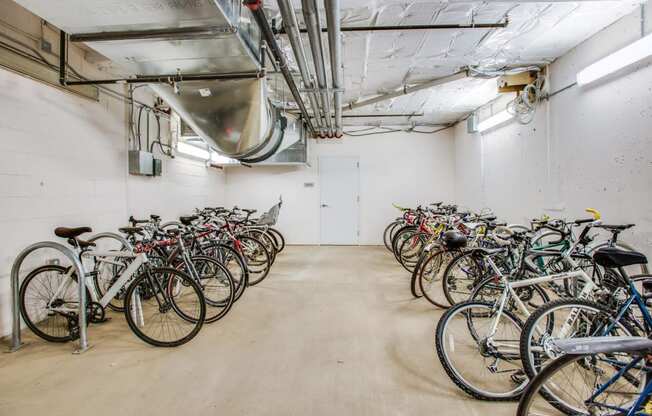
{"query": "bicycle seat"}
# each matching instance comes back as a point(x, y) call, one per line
point(612, 257)
point(130, 230)
point(187, 220)
point(596, 345)
point(73, 233)
point(616, 227)
point(155, 217)
point(250, 211)
point(454, 240)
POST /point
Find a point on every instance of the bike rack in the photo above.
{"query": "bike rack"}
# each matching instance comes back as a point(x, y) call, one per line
point(16, 342)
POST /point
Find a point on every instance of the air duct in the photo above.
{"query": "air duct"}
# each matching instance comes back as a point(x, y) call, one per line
point(183, 38)
point(311, 17)
point(335, 47)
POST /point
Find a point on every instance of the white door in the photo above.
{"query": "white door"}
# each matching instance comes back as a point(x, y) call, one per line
point(339, 184)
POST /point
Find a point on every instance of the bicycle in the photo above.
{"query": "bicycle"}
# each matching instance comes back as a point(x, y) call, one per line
point(156, 314)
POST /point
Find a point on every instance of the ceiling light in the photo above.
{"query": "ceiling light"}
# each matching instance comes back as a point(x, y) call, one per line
point(495, 120)
point(190, 150)
point(625, 57)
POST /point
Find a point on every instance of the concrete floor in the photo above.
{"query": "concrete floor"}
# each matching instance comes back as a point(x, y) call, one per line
point(333, 330)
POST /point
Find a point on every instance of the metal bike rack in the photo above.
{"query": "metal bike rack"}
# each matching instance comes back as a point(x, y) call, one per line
point(16, 342)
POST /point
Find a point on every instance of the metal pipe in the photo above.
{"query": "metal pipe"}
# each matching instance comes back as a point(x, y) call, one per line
point(180, 33)
point(410, 27)
point(258, 13)
point(292, 26)
point(165, 79)
point(311, 18)
point(380, 115)
point(63, 57)
point(407, 89)
point(335, 48)
point(16, 341)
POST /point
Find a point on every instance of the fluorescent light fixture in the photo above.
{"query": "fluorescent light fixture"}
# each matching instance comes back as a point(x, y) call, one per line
point(625, 57)
point(495, 120)
point(190, 150)
point(219, 159)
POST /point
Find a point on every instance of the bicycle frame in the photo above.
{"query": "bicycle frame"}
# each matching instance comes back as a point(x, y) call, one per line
point(101, 256)
point(510, 292)
point(647, 390)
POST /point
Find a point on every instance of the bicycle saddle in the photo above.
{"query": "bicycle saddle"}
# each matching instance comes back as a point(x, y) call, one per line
point(612, 257)
point(250, 211)
point(187, 220)
point(65, 232)
point(616, 227)
point(454, 240)
point(130, 230)
point(596, 345)
point(155, 217)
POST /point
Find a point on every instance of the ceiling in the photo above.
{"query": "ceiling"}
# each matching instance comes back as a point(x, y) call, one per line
point(374, 62)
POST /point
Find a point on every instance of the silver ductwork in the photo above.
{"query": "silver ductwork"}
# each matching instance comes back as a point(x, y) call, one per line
point(313, 25)
point(291, 26)
point(335, 48)
point(151, 38)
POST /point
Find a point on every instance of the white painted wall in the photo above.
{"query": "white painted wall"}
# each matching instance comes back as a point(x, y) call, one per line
point(589, 147)
point(63, 161)
point(405, 168)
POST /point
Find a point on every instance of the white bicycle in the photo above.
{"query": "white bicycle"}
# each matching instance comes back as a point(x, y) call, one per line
point(163, 306)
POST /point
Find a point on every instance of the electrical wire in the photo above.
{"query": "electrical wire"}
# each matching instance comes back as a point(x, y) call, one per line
point(39, 57)
point(524, 106)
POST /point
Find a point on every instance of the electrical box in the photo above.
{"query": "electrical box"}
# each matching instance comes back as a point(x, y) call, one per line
point(158, 167)
point(516, 82)
point(472, 123)
point(141, 163)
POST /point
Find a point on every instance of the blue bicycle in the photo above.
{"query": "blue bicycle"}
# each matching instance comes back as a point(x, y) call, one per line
point(606, 375)
point(595, 376)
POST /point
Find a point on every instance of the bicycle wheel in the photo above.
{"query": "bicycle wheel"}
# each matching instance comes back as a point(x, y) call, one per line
point(387, 234)
point(400, 236)
point(410, 251)
point(278, 239)
point(216, 283)
point(48, 287)
point(570, 382)
point(233, 261)
point(561, 319)
point(266, 240)
point(164, 317)
point(481, 361)
point(256, 258)
point(431, 275)
point(107, 272)
point(418, 269)
point(461, 275)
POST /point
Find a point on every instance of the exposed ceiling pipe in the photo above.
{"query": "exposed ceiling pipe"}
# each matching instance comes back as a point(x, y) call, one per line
point(311, 18)
point(407, 89)
point(335, 47)
point(261, 19)
point(403, 28)
point(292, 28)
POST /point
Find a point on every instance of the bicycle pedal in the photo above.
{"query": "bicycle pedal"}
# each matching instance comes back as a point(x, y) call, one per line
point(519, 378)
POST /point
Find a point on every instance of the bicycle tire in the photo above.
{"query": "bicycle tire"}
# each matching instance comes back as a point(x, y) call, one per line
point(450, 369)
point(196, 321)
point(33, 326)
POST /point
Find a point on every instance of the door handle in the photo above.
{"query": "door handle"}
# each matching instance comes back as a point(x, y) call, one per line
point(324, 205)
